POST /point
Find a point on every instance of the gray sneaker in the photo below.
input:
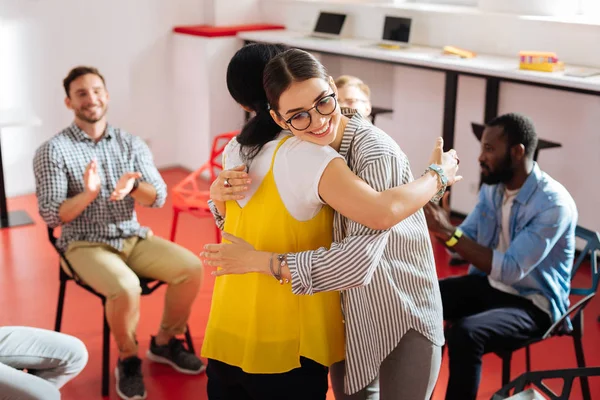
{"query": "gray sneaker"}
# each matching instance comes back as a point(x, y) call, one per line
point(175, 355)
point(130, 382)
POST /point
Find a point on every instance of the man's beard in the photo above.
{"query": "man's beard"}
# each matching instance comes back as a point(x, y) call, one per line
point(81, 115)
point(504, 173)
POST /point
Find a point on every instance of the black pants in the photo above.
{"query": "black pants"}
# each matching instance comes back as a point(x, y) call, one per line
point(226, 382)
point(480, 320)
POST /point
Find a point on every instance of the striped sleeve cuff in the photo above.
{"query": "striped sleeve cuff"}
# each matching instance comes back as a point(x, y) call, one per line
point(219, 220)
point(300, 270)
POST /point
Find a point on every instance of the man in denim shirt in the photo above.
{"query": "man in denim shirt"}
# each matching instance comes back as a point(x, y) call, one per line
point(520, 242)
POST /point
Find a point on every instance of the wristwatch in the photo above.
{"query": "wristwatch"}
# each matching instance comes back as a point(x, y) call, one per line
point(454, 239)
point(443, 181)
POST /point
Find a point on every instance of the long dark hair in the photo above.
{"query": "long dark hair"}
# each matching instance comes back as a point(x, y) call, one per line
point(244, 82)
point(290, 66)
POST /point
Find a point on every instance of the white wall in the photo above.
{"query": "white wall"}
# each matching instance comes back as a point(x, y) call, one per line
point(129, 41)
point(417, 95)
point(232, 12)
point(203, 107)
point(40, 41)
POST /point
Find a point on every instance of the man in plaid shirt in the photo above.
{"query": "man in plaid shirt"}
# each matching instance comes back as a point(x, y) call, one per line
point(88, 178)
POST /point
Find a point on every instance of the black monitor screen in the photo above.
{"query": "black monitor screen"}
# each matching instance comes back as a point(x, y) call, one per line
point(396, 29)
point(330, 23)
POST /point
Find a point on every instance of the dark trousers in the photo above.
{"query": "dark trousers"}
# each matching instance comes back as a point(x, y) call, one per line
point(479, 320)
point(226, 382)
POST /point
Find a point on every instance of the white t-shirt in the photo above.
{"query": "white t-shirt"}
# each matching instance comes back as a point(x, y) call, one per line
point(504, 242)
point(297, 171)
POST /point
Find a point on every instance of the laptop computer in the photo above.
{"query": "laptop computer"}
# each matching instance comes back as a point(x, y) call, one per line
point(396, 33)
point(329, 26)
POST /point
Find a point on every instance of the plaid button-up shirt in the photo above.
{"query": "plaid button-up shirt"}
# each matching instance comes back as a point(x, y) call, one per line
point(59, 165)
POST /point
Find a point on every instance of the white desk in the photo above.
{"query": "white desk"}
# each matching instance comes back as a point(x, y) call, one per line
point(506, 68)
point(13, 118)
point(493, 69)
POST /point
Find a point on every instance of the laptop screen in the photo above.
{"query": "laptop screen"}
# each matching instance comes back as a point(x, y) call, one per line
point(330, 23)
point(396, 29)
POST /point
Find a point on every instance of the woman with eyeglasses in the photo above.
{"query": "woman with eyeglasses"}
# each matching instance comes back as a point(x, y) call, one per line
point(262, 341)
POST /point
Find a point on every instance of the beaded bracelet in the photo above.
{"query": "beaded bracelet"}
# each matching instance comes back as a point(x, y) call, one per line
point(275, 275)
point(282, 258)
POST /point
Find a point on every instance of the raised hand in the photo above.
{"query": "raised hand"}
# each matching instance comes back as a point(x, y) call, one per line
point(447, 160)
point(124, 185)
point(91, 180)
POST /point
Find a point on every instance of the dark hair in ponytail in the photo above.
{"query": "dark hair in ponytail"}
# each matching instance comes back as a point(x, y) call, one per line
point(245, 84)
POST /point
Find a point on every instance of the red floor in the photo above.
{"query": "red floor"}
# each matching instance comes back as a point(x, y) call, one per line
point(29, 289)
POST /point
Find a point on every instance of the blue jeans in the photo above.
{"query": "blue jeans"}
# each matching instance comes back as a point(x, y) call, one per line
point(50, 358)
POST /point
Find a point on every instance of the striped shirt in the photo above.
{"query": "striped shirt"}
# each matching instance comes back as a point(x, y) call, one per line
point(59, 165)
point(388, 278)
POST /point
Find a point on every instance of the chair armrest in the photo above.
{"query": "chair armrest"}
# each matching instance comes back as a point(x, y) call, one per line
point(558, 327)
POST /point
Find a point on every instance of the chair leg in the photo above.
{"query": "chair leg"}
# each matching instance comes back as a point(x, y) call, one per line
point(105, 353)
point(60, 306)
point(585, 385)
point(506, 359)
point(174, 224)
point(527, 359)
point(188, 339)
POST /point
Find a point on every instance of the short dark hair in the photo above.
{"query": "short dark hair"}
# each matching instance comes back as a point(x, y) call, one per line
point(76, 73)
point(519, 129)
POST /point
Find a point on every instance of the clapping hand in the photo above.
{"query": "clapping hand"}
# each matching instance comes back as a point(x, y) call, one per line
point(124, 185)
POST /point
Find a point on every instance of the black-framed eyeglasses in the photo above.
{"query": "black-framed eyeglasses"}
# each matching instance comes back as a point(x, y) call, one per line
point(302, 120)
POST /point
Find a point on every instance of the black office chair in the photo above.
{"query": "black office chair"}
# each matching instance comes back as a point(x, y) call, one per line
point(148, 286)
point(573, 314)
point(536, 379)
point(375, 111)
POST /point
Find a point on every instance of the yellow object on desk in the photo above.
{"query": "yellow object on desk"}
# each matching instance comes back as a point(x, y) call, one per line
point(540, 61)
point(456, 51)
point(389, 46)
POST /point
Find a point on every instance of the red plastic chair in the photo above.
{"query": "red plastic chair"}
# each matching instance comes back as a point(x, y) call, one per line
point(187, 195)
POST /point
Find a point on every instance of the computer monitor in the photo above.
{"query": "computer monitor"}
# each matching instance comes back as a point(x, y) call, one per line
point(396, 31)
point(329, 25)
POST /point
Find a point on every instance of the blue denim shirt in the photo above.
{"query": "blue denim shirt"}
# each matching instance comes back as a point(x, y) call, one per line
point(539, 259)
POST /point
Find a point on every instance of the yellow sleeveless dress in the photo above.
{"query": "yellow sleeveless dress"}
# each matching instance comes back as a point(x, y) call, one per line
point(257, 324)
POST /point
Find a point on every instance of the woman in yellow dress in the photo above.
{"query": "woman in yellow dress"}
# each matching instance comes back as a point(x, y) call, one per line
point(262, 341)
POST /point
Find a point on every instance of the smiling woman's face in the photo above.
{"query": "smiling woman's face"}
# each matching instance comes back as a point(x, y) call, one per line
point(310, 111)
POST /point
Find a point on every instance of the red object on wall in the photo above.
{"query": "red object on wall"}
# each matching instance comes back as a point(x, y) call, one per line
point(223, 31)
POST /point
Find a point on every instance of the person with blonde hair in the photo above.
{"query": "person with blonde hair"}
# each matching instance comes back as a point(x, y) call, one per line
point(354, 93)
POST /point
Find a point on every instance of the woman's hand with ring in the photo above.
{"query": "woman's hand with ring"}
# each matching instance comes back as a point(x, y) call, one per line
point(230, 184)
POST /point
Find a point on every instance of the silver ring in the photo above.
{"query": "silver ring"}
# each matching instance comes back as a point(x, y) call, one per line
point(226, 182)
